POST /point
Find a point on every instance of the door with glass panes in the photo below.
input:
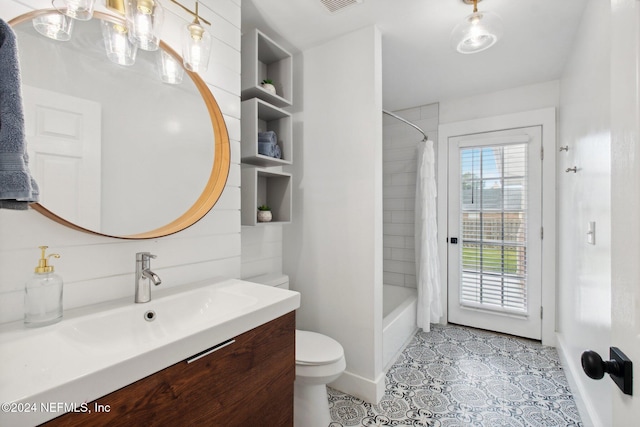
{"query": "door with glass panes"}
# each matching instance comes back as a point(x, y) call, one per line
point(494, 251)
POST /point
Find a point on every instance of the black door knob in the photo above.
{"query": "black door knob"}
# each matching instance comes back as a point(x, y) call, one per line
point(593, 365)
point(619, 368)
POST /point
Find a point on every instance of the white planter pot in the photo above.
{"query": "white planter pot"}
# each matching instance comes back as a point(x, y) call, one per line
point(268, 87)
point(264, 216)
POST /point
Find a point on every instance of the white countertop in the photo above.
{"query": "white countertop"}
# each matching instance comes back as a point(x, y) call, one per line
point(98, 349)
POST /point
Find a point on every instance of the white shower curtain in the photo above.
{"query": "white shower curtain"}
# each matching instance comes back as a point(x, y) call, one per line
point(426, 239)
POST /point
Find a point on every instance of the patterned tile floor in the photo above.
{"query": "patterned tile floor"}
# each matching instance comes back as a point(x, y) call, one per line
point(458, 376)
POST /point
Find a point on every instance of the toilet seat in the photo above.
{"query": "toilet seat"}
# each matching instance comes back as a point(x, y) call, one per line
point(313, 349)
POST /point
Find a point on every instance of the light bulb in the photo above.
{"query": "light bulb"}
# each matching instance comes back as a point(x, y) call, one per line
point(479, 31)
point(196, 48)
point(144, 21)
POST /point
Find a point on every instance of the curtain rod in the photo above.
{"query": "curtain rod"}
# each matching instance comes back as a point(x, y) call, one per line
point(407, 122)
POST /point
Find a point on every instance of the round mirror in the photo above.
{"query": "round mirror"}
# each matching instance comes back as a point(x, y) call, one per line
point(115, 150)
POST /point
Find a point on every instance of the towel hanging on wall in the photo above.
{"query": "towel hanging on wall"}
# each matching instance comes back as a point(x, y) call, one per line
point(17, 186)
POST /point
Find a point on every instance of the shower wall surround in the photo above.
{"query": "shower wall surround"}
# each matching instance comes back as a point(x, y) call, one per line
point(98, 269)
point(399, 190)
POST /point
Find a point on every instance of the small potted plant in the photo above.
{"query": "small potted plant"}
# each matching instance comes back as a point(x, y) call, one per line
point(264, 214)
point(267, 84)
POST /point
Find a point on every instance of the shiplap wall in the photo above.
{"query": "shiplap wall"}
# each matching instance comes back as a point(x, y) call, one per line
point(96, 268)
point(261, 250)
point(399, 192)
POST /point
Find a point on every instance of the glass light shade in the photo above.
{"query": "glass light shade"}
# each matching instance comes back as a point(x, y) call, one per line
point(170, 70)
point(144, 21)
point(54, 25)
point(82, 10)
point(196, 48)
point(116, 42)
point(479, 31)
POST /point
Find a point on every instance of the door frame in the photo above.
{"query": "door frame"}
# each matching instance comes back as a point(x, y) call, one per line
point(546, 118)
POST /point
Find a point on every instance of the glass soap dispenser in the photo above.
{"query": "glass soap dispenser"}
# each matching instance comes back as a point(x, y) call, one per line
point(43, 294)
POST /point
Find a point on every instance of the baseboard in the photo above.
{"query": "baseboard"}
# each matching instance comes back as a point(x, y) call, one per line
point(575, 378)
point(355, 385)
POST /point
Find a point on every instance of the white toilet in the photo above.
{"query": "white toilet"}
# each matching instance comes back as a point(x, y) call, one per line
point(319, 360)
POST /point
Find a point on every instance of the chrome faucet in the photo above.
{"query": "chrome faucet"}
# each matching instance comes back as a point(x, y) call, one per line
point(144, 276)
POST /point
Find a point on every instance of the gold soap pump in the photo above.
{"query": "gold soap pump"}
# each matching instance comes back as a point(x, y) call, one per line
point(43, 263)
point(43, 294)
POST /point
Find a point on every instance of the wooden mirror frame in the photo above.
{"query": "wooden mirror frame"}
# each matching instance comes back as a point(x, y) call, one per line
point(221, 160)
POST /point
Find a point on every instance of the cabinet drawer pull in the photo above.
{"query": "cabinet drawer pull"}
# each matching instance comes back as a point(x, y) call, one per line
point(210, 350)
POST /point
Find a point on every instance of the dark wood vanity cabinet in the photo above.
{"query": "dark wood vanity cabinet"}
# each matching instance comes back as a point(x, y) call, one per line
point(246, 383)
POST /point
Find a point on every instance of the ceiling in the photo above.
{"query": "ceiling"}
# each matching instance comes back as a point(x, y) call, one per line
point(418, 65)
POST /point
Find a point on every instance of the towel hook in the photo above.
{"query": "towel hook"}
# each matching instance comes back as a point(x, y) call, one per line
point(565, 148)
point(573, 169)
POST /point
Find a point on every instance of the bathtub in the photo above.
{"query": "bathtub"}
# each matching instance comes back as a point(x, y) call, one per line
point(399, 321)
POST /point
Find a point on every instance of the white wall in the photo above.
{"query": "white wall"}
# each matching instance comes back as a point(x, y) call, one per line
point(625, 197)
point(508, 101)
point(399, 190)
point(584, 270)
point(97, 268)
point(333, 247)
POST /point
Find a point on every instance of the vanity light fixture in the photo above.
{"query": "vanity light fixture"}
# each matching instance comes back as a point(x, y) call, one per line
point(479, 31)
point(196, 42)
point(54, 25)
point(144, 22)
point(82, 10)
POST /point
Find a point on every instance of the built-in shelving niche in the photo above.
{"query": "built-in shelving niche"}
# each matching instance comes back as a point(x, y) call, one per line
point(262, 58)
point(260, 116)
point(265, 187)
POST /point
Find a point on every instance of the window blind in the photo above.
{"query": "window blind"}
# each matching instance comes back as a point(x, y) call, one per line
point(494, 227)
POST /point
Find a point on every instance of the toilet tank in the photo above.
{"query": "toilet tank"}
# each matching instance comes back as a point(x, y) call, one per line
point(278, 280)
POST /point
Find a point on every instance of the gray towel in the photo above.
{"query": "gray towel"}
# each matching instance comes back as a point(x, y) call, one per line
point(268, 136)
point(269, 149)
point(17, 186)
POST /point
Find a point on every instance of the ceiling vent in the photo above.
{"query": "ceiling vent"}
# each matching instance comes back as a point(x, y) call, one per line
point(336, 5)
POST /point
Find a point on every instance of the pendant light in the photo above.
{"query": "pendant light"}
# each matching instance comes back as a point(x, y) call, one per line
point(119, 48)
point(54, 25)
point(144, 22)
point(170, 70)
point(196, 43)
point(479, 31)
point(82, 10)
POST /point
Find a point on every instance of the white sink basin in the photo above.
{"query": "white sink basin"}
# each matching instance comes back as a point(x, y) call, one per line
point(163, 317)
point(97, 350)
